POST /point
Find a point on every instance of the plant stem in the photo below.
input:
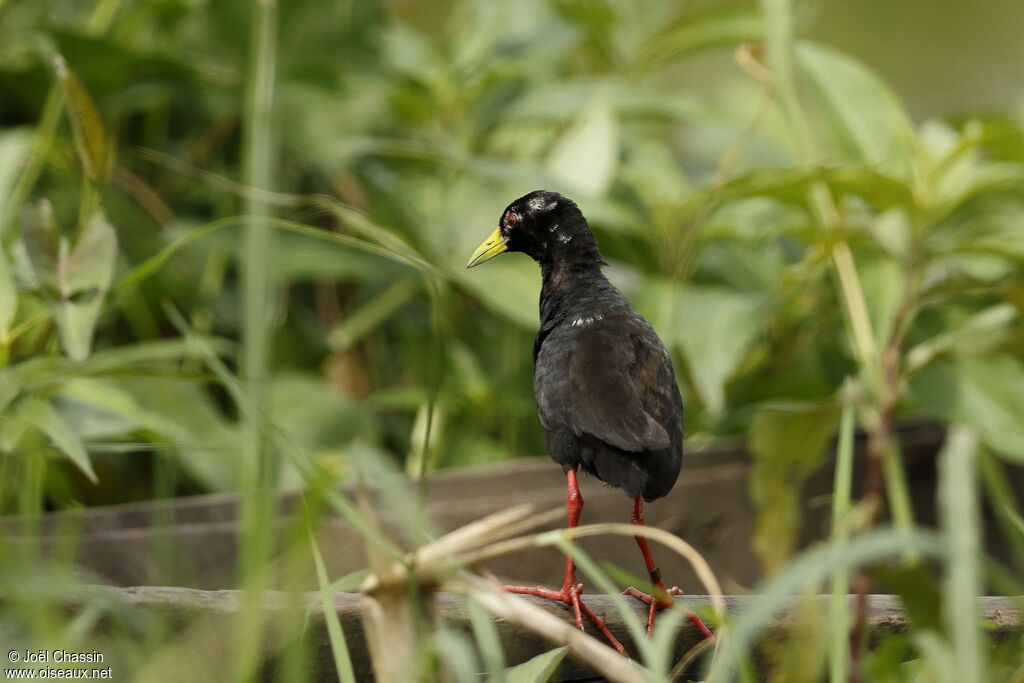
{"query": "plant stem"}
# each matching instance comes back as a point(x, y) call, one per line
point(257, 465)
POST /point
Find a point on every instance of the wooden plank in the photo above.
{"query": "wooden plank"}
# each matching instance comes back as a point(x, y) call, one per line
point(192, 542)
point(195, 613)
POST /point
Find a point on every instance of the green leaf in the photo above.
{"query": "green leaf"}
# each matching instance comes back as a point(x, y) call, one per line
point(728, 25)
point(921, 595)
point(335, 634)
point(891, 230)
point(74, 283)
point(95, 150)
point(788, 442)
point(715, 328)
point(8, 298)
point(43, 242)
point(14, 147)
point(811, 568)
point(991, 324)
point(864, 115)
point(509, 285)
point(790, 185)
point(84, 279)
point(537, 670)
point(586, 157)
point(43, 417)
point(985, 393)
point(183, 412)
point(882, 281)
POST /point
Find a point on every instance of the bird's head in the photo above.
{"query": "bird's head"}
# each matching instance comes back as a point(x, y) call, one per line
point(545, 226)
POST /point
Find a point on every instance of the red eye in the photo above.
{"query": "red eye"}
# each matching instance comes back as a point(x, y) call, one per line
point(510, 220)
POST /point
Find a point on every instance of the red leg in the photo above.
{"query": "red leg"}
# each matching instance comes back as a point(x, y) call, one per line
point(661, 597)
point(571, 588)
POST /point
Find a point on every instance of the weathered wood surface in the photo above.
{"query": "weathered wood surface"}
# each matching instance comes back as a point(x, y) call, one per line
point(211, 612)
point(191, 542)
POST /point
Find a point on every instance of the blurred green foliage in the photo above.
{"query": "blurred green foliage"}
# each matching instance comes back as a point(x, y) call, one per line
point(799, 242)
point(705, 207)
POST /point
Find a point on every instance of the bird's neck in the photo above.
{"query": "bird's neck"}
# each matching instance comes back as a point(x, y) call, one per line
point(562, 281)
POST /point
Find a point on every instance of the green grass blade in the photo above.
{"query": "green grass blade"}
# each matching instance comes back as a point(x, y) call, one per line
point(258, 467)
point(339, 646)
point(537, 670)
point(839, 651)
point(488, 641)
point(897, 490)
point(958, 510)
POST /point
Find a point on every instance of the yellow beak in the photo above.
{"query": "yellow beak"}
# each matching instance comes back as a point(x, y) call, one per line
point(491, 247)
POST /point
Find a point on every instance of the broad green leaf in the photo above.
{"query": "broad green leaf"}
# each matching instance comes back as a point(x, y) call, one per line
point(74, 283)
point(788, 442)
point(183, 412)
point(891, 229)
point(586, 157)
point(84, 278)
point(95, 150)
point(865, 117)
point(882, 280)
point(921, 595)
point(985, 393)
point(509, 285)
point(990, 324)
point(43, 417)
point(312, 415)
point(946, 164)
point(537, 670)
point(715, 327)
point(728, 26)
point(90, 416)
point(790, 185)
point(99, 408)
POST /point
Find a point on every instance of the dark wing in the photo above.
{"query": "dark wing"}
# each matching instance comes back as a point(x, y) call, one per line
point(613, 381)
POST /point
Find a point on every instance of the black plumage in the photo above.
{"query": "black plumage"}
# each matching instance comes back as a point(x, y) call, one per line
point(606, 392)
point(605, 388)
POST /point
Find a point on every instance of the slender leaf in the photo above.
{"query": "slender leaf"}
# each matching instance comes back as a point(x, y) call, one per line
point(839, 623)
point(810, 569)
point(537, 670)
point(14, 148)
point(335, 634)
point(41, 415)
point(95, 149)
point(8, 300)
point(43, 243)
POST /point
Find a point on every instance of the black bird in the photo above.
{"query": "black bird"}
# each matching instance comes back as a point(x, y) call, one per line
point(605, 388)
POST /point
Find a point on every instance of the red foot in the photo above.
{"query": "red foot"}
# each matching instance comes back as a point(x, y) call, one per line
point(570, 595)
point(656, 604)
